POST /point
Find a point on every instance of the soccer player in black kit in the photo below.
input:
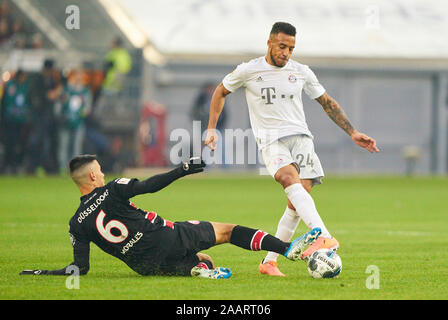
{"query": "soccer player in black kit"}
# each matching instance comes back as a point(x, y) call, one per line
point(147, 243)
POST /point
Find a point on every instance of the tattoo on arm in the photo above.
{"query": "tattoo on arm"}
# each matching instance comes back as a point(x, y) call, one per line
point(335, 112)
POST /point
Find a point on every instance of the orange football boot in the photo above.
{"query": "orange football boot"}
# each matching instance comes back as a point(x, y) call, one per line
point(321, 243)
point(270, 268)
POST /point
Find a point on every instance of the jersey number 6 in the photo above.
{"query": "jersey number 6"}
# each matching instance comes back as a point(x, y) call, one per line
point(105, 231)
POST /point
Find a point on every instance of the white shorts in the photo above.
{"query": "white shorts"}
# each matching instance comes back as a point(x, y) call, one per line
point(298, 150)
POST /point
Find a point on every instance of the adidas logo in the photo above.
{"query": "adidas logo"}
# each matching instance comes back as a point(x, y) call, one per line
point(259, 79)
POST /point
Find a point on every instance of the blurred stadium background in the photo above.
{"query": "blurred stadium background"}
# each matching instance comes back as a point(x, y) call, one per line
point(119, 78)
point(386, 62)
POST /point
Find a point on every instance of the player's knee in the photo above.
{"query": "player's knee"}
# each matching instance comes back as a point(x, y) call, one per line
point(223, 232)
point(228, 232)
point(285, 179)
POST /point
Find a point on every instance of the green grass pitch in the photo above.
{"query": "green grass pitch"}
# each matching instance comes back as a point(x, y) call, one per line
point(397, 224)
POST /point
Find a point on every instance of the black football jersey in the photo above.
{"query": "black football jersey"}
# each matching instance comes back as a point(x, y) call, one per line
point(107, 218)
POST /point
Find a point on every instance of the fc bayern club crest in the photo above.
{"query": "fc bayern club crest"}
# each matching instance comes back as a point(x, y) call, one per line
point(292, 78)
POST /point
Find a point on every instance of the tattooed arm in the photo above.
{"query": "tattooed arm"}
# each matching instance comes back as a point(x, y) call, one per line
point(335, 112)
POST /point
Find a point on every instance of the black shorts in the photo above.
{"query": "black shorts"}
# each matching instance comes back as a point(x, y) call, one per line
point(192, 237)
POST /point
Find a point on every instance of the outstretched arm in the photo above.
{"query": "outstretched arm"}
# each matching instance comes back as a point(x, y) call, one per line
point(160, 181)
point(335, 112)
point(128, 188)
point(80, 265)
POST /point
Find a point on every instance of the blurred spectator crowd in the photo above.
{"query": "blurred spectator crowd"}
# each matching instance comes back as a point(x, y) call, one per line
point(48, 117)
point(14, 34)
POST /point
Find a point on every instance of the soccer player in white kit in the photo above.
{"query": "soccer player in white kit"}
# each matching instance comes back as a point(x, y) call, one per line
point(274, 86)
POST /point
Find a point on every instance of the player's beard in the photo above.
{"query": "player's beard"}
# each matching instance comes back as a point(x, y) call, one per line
point(275, 62)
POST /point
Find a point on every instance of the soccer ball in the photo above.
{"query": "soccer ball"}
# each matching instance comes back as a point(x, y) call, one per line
point(324, 263)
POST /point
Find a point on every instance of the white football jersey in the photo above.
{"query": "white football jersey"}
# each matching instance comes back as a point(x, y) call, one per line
point(274, 97)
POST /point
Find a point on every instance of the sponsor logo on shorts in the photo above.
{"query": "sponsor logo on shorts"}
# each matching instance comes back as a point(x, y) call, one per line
point(194, 221)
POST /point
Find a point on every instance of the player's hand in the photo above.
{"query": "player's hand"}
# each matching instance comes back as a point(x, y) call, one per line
point(193, 165)
point(211, 140)
point(364, 141)
point(35, 272)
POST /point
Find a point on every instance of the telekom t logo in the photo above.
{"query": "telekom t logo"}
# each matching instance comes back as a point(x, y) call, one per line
point(268, 95)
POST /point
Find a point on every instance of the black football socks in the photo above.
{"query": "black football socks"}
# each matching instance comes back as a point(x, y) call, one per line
point(255, 240)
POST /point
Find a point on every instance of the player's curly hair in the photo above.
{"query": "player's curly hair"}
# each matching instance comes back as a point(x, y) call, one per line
point(283, 27)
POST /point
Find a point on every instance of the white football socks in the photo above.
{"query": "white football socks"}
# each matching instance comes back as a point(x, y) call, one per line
point(305, 207)
point(285, 230)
